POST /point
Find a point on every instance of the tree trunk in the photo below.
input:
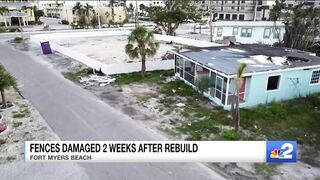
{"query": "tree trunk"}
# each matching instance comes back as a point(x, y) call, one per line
point(4, 102)
point(143, 65)
point(237, 126)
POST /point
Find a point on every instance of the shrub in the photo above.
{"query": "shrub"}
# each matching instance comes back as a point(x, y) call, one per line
point(2, 30)
point(18, 39)
point(65, 22)
point(230, 135)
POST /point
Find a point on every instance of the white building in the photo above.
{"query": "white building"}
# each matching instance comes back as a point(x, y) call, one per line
point(309, 3)
point(242, 10)
point(249, 32)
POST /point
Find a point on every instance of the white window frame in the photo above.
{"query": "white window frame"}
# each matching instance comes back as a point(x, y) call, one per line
point(246, 28)
point(274, 32)
point(314, 84)
point(233, 30)
point(264, 33)
point(279, 83)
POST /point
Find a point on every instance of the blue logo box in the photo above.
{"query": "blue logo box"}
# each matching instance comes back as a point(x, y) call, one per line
point(281, 151)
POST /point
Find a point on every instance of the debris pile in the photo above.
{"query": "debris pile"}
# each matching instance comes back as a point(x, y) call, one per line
point(95, 80)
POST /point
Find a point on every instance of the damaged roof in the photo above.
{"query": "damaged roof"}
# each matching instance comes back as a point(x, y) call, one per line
point(259, 58)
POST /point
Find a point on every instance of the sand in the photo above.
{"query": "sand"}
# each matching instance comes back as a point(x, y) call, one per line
point(108, 49)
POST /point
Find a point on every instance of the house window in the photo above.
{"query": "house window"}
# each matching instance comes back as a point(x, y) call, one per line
point(246, 32)
point(276, 33)
point(235, 31)
point(267, 32)
point(189, 71)
point(219, 32)
point(273, 83)
point(179, 65)
point(234, 16)
point(241, 17)
point(315, 77)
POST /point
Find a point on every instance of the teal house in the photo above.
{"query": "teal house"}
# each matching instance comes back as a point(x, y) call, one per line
point(272, 74)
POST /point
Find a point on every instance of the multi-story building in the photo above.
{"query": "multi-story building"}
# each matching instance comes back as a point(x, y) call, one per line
point(65, 11)
point(309, 3)
point(59, 10)
point(23, 7)
point(239, 9)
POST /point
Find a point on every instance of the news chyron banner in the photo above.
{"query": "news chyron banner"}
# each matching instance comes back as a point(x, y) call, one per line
point(161, 151)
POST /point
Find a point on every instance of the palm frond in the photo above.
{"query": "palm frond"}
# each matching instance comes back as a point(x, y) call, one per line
point(241, 69)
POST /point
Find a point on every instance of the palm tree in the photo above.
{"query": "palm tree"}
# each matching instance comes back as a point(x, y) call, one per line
point(235, 111)
point(141, 43)
point(6, 81)
point(87, 9)
point(112, 9)
point(78, 8)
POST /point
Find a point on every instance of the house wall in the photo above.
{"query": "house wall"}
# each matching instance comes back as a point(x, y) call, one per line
point(61, 11)
point(256, 37)
point(289, 87)
point(105, 14)
point(293, 84)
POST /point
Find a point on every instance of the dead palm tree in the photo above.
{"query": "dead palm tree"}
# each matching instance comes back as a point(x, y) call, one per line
point(235, 111)
point(6, 81)
point(141, 43)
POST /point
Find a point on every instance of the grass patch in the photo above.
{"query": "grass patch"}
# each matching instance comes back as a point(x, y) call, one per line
point(17, 39)
point(3, 30)
point(296, 119)
point(22, 113)
point(17, 124)
point(179, 88)
point(198, 130)
point(231, 135)
point(150, 77)
point(2, 142)
point(76, 75)
point(10, 158)
point(265, 170)
point(143, 97)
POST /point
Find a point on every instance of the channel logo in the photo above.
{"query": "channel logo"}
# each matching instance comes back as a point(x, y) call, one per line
point(281, 151)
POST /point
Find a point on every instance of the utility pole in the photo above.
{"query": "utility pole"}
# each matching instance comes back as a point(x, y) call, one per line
point(210, 19)
point(98, 14)
point(255, 10)
point(136, 18)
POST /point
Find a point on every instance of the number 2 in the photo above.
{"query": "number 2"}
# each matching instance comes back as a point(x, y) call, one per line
point(287, 153)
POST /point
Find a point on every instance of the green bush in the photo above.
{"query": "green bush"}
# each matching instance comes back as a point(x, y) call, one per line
point(65, 22)
point(2, 142)
point(231, 135)
point(17, 39)
point(2, 30)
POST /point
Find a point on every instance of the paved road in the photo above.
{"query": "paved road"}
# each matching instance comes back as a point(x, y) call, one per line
point(75, 114)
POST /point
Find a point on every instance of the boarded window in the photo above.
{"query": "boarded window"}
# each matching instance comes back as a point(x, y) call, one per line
point(273, 83)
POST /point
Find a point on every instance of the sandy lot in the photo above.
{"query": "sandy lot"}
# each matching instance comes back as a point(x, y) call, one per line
point(27, 126)
point(108, 49)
